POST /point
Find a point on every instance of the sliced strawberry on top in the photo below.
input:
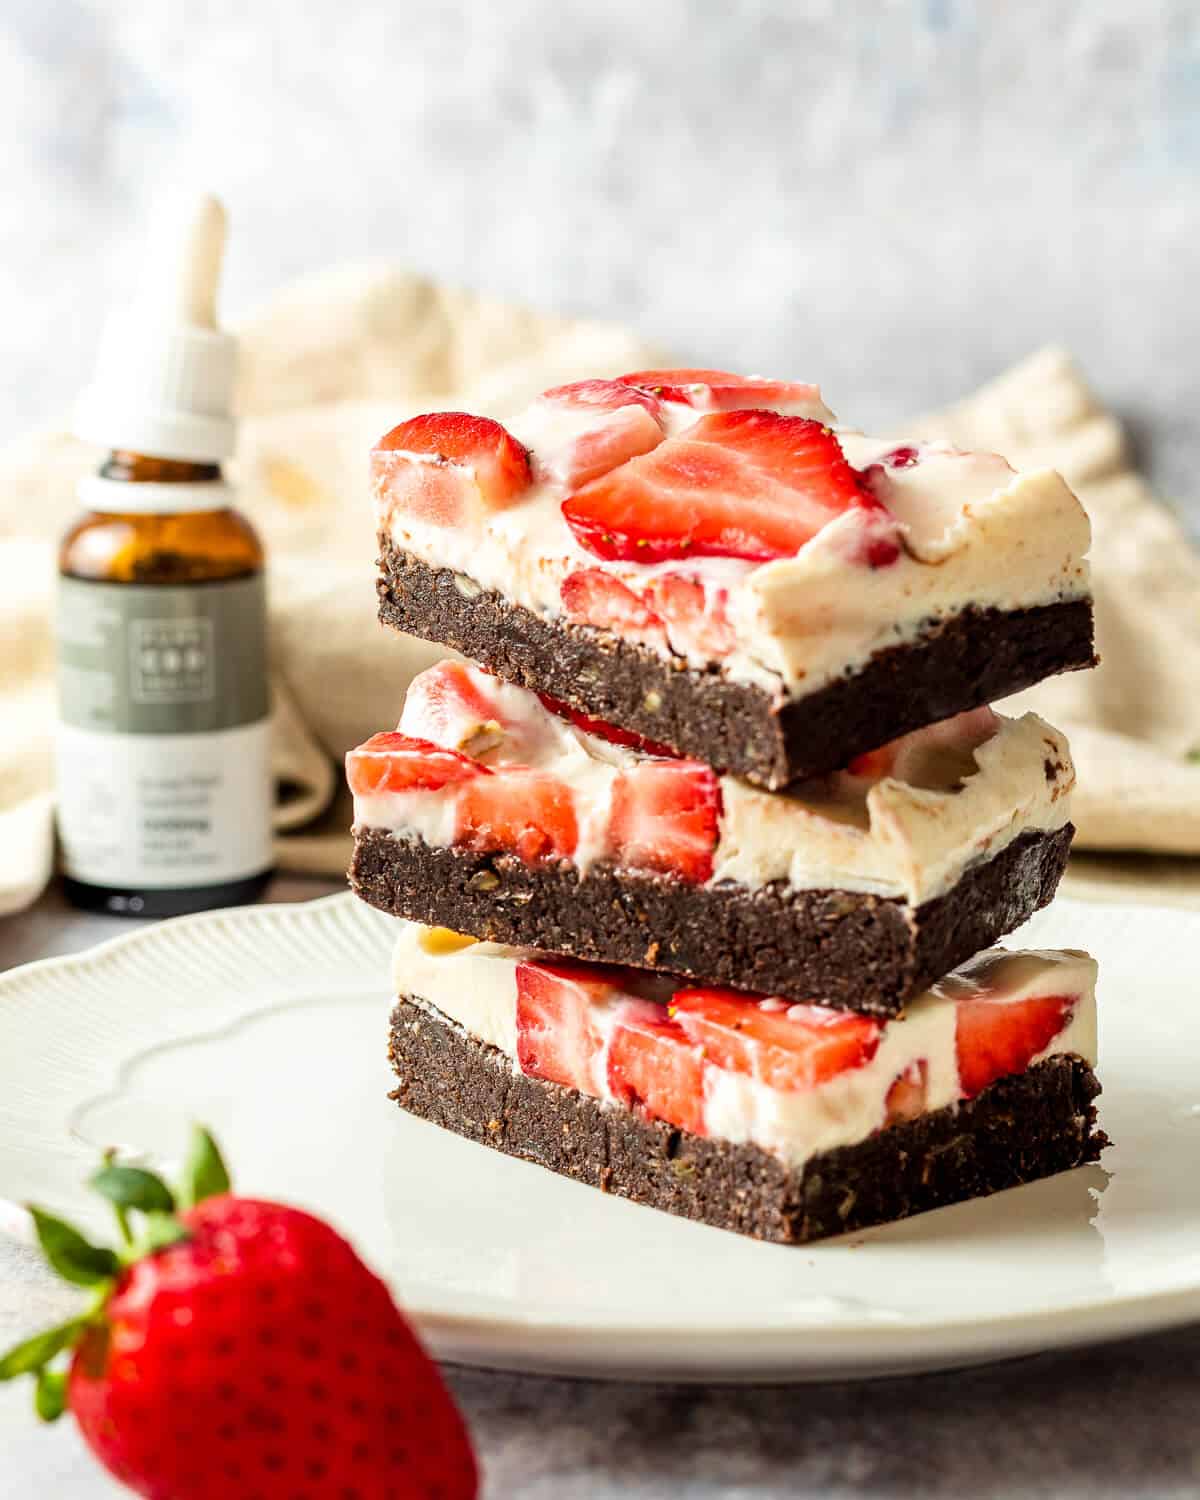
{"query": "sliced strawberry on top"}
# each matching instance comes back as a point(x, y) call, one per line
point(600, 395)
point(655, 1067)
point(449, 703)
point(395, 762)
point(611, 423)
point(520, 811)
point(449, 468)
point(665, 816)
point(609, 732)
point(592, 597)
point(737, 484)
point(695, 614)
point(787, 1047)
point(556, 1038)
point(718, 390)
point(616, 437)
point(995, 1037)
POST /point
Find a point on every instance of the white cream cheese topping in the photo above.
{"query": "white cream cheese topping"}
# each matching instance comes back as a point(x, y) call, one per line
point(973, 533)
point(475, 987)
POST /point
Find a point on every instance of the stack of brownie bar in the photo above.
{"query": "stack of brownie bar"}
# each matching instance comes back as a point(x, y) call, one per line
point(699, 869)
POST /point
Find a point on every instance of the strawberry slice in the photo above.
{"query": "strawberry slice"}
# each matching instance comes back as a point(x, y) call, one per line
point(609, 732)
point(653, 1066)
point(907, 1095)
point(593, 597)
point(995, 1037)
point(450, 705)
point(695, 614)
point(601, 395)
point(449, 468)
point(787, 1047)
point(528, 813)
point(665, 817)
point(556, 1038)
point(617, 422)
point(718, 390)
point(395, 762)
point(616, 437)
point(737, 484)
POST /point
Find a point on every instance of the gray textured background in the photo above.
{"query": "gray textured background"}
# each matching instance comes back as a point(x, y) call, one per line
point(896, 199)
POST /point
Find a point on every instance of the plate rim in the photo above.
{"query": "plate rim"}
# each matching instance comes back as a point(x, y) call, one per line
point(848, 1348)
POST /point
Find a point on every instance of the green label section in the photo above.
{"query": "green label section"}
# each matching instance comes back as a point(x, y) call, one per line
point(136, 659)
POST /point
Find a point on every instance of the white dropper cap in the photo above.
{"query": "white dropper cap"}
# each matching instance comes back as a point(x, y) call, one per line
point(164, 375)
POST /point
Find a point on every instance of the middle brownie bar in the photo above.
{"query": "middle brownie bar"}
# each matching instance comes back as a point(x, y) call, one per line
point(490, 813)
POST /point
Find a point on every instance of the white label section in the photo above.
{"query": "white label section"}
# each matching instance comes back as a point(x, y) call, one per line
point(165, 811)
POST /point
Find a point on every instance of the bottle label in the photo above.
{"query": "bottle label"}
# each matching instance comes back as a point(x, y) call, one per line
point(164, 774)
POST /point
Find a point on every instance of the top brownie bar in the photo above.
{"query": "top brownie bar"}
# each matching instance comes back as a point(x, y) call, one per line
point(709, 562)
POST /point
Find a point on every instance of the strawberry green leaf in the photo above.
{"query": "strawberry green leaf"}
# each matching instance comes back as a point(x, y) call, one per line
point(50, 1397)
point(30, 1356)
point(158, 1232)
point(131, 1187)
point(70, 1254)
point(204, 1174)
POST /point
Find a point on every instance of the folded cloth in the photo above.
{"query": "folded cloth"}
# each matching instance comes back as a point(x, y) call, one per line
point(335, 360)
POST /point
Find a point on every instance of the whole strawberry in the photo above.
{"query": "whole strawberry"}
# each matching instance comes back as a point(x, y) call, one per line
point(240, 1349)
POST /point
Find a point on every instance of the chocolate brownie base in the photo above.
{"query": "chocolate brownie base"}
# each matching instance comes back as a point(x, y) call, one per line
point(856, 951)
point(971, 658)
point(1021, 1128)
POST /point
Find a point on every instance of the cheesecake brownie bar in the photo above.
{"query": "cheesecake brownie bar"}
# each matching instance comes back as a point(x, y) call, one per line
point(782, 1121)
point(706, 561)
point(492, 813)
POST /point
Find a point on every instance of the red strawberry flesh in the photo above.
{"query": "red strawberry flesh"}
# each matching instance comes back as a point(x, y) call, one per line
point(530, 813)
point(718, 390)
point(695, 615)
point(996, 1037)
point(666, 818)
point(446, 467)
point(747, 484)
point(593, 597)
point(556, 1037)
point(654, 1067)
point(449, 704)
point(601, 395)
point(787, 1047)
point(603, 731)
point(394, 762)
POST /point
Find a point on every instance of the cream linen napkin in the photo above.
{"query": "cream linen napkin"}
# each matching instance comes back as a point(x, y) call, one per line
point(337, 359)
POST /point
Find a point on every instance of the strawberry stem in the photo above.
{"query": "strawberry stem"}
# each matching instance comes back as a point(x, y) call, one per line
point(73, 1257)
point(204, 1173)
point(50, 1395)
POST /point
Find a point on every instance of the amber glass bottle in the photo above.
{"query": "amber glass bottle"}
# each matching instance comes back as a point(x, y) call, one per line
point(164, 779)
point(164, 789)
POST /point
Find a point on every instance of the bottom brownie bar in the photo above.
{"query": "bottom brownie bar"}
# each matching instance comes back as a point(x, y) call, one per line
point(1019, 1128)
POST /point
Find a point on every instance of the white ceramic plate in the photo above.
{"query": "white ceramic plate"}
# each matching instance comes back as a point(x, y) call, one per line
point(270, 1022)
